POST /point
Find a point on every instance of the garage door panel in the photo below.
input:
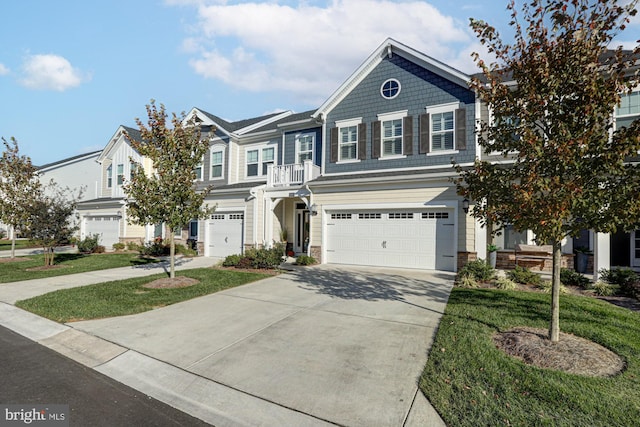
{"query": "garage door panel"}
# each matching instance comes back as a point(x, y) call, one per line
point(404, 239)
point(107, 227)
point(225, 234)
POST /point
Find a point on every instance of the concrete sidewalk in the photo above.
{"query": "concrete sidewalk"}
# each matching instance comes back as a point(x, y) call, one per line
point(319, 346)
point(16, 291)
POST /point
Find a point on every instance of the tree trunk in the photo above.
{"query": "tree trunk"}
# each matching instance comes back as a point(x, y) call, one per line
point(554, 329)
point(172, 255)
point(13, 242)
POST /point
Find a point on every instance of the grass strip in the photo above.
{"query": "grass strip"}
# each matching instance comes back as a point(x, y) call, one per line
point(471, 383)
point(122, 297)
point(66, 263)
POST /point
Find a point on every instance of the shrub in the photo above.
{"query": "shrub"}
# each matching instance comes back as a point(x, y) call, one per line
point(89, 244)
point(573, 278)
point(466, 280)
point(546, 286)
point(305, 260)
point(133, 246)
point(99, 249)
point(505, 284)
point(479, 270)
point(524, 276)
point(626, 279)
point(604, 289)
point(268, 258)
point(183, 250)
point(118, 246)
point(245, 262)
point(155, 248)
point(231, 261)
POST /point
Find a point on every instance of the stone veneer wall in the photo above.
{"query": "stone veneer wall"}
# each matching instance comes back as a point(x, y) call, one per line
point(465, 257)
point(506, 260)
point(316, 252)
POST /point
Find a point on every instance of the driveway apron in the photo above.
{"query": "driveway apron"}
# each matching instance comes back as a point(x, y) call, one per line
point(345, 345)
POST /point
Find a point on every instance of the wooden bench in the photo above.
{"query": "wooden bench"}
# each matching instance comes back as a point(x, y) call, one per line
point(533, 253)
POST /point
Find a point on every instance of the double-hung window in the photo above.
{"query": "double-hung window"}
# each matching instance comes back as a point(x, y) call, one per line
point(216, 164)
point(120, 175)
point(445, 121)
point(198, 171)
point(348, 143)
point(304, 147)
point(258, 161)
point(389, 134)
point(110, 176)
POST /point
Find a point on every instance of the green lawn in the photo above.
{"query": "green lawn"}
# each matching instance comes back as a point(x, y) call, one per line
point(66, 264)
point(5, 245)
point(129, 297)
point(472, 383)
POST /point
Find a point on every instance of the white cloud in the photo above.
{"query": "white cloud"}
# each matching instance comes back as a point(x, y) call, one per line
point(3, 70)
point(50, 72)
point(309, 50)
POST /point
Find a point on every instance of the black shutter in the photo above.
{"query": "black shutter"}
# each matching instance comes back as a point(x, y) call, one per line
point(407, 136)
point(461, 129)
point(424, 133)
point(375, 140)
point(362, 141)
point(334, 145)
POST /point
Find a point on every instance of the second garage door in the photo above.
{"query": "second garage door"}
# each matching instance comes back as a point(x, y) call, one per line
point(400, 238)
point(107, 227)
point(224, 234)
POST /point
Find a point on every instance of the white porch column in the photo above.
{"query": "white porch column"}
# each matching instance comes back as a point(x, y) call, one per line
point(601, 252)
point(481, 239)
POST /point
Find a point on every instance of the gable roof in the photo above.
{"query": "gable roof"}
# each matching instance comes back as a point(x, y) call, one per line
point(134, 133)
point(73, 159)
point(239, 127)
point(388, 48)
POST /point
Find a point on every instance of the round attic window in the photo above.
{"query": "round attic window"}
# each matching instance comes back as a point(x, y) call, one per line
point(390, 89)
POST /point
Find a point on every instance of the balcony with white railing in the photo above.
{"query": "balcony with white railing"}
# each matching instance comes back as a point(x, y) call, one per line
point(289, 175)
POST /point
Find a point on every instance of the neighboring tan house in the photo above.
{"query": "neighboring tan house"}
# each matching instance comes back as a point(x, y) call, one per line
point(106, 214)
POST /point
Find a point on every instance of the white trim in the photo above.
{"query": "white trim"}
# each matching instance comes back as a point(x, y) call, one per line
point(259, 148)
point(297, 148)
point(392, 79)
point(394, 115)
point(450, 107)
point(392, 157)
point(213, 150)
point(443, 108)
point(348, 122)
point(262, 123)
point(386, 117)
point(442, 152)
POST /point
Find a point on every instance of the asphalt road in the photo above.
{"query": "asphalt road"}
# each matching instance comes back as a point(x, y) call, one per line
point(33, 374)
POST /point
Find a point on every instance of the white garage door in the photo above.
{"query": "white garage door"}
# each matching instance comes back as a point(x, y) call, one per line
point(399, 238)
point(107, 227)
point(224, 234)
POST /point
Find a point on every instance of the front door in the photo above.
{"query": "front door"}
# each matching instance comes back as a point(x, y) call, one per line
point(301, 238)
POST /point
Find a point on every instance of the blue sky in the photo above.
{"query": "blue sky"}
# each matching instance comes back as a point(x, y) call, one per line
point(72, 71)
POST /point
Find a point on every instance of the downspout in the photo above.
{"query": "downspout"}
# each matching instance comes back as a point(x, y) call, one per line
point(254, 195)
point(310, 216)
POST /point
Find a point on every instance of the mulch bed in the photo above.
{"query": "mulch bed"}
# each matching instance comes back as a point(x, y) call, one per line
point(571, 354)
point(169, 283)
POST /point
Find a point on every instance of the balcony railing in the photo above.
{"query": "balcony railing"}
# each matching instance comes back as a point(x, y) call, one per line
point(288, 175)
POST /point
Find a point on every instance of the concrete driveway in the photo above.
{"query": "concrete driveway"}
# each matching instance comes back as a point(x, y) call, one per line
point(338, 345)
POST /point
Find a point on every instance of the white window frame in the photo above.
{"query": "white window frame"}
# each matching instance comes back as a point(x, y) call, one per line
point(311, 151)
point(217, 150)
point(440, 109)
point(120, 174)
point(617, 116)
point(199, 167)
point(110, 176)
point(389, 81)
point(387, 117)
point(261, 162)
point(342, 124)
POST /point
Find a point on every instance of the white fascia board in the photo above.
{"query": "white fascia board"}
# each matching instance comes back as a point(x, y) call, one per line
point(113, 142)
point(263, 122)
point(205, 120)
point(440, 204)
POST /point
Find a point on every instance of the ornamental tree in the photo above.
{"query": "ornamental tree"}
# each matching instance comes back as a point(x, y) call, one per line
point(552, 93)
point(18, 185)
point(167, 195)
point(51, 219)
